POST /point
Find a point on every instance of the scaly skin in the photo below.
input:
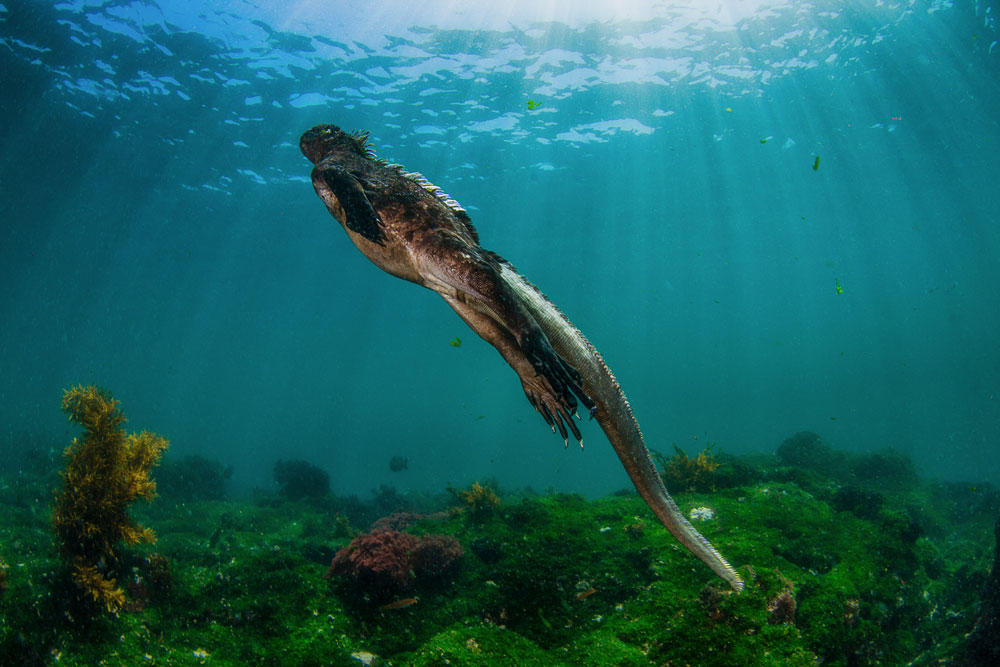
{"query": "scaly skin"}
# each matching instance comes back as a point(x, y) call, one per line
point(410, 229)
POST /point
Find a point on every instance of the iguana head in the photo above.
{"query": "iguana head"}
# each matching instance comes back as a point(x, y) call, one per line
point(322, 140)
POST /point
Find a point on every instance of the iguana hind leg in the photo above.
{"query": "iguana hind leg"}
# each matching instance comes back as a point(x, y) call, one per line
point(554, 401)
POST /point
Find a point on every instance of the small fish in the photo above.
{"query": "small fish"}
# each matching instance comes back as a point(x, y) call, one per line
point(532, 105)
point(816, 164)
point(583, 595)
point(840, 290)
point(455, 342)
point(398, 604)
point(765, 140)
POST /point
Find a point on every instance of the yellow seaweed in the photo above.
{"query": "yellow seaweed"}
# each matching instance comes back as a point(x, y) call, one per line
point(682, 473)
point(106, 469)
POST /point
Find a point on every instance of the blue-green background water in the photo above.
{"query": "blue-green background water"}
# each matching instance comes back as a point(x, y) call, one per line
point(159, 235)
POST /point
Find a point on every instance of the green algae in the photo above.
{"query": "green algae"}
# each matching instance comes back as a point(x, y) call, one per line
point(885, 572)
point(478, 646)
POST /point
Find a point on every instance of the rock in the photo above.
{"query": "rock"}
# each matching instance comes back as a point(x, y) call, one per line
point(984, 641)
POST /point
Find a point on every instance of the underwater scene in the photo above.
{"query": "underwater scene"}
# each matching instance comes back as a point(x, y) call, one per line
point(525, 333)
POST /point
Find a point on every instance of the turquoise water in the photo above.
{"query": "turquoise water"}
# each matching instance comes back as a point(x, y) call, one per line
point(652, 169)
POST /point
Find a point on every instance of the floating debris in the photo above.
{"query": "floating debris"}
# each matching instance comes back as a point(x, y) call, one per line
point(816, 164)
point(455, 342)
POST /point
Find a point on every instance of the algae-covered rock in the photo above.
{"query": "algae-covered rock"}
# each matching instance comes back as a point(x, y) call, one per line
point(300, 480)
point(604, 647)
point(479, 646)
point(887, 468)
point(865, 504)
point(807, 450)
point(192, 478)
point(839, 571)
point(984, 643)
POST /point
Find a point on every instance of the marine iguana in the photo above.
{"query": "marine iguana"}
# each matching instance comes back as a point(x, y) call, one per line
point(412, 230)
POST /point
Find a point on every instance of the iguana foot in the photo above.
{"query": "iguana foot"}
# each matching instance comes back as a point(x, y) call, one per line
point(555, 388)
